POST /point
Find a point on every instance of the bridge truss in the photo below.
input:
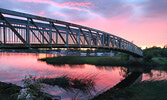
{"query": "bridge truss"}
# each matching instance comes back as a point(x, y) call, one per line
point(20, 30)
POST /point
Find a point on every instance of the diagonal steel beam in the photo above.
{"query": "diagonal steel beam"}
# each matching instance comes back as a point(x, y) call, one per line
point(99, 39)
point(84, 35)
point(72, 39)
point(51, 37)
point(112, 41)
point(71, 36)
point(36, 36)
point(108, 40)
point(72, 33)
point(39, 30)
point(13, 29)
point(93, 38)
point(80, 40)
point(58, 32)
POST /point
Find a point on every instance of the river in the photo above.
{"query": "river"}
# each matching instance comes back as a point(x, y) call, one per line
point(14, 67)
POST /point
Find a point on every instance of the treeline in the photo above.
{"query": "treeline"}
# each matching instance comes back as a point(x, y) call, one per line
point(149, 53)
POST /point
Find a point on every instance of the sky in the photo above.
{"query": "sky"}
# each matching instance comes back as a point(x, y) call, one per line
point(142, 21)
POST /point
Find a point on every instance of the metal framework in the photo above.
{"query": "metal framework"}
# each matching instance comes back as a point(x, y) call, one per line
point(20, 30)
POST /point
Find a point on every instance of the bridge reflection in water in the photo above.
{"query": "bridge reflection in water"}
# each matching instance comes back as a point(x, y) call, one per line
point(20, 30)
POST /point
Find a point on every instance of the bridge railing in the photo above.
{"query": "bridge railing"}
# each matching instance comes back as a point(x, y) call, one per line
point(30, 30)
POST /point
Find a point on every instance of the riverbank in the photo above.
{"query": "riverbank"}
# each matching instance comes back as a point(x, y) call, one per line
point(147, 90)
point(95, 60)
point(8, 91)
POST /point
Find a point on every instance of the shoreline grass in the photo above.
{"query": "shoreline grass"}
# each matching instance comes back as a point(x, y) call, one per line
point(147, 90)
point(8, 91)
point(95, 60)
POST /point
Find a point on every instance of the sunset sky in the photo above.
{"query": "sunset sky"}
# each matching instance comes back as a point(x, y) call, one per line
point(142, 21)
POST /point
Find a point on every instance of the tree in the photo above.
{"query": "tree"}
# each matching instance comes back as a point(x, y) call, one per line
point(165, 46)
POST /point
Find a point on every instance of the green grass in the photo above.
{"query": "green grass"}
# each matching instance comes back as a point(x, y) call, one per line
point(8, 91)
point(160, 60)
point(162, 68)
point(148, 90)
point(100, 61)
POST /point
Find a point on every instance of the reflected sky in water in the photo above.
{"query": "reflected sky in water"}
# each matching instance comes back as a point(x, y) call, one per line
point(14, 67)
point(155, 75)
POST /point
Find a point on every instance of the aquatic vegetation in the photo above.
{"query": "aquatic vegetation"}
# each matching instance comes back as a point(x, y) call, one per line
point(62, 81)
point(84, 84)
point(32, 90)
point(25, 94)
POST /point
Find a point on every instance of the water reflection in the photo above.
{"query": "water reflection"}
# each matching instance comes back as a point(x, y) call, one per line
point(14, 66)
point(155, 75)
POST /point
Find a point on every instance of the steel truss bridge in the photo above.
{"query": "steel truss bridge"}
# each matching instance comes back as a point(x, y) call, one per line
point(20, 30)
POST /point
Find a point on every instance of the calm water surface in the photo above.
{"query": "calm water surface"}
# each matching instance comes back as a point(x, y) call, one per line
point(14, 67)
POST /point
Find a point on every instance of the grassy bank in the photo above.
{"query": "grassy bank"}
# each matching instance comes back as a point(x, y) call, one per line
point(160, 60)
point(30, 91)
point(8, 91)
point(94, 60)
point(150, 90)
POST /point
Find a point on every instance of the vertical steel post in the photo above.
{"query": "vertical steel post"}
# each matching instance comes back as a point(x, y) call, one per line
point(84, 41)
point(103, 40)
point(79, 37)
point(109, 39)
point(56, 37)
point(0, 35)
point(50, 33)
point(89, 38)
point(43, 41)
point(4, 33)
point(120, 44)
point(27, 31)
point(67, 33)
point(113, 41)
point(97, 40)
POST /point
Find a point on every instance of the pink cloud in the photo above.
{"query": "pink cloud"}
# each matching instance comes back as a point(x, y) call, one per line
point(68, 5)
point(41, 13)
point(79, 4)
point(144, 33)
point(59, 14)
